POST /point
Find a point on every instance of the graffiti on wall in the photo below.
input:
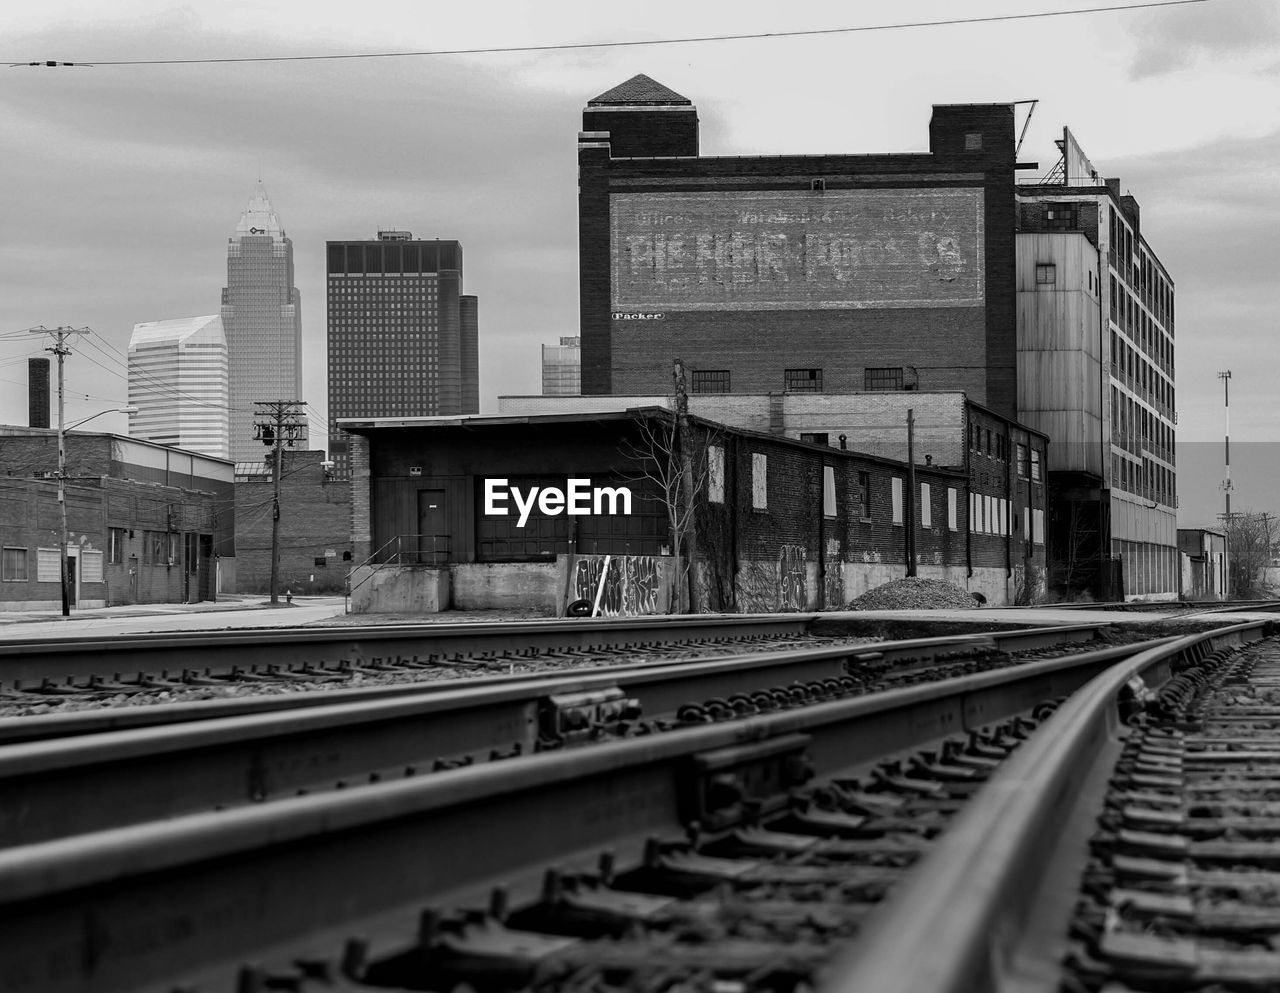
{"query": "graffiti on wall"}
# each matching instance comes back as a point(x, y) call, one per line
point(796, 250)
point(833, 584)
point(792, 592)
point(633, 584)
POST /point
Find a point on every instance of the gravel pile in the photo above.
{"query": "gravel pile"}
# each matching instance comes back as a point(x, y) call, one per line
point(914, 593)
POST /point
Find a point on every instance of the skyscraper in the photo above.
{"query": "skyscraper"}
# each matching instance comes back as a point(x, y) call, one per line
point(562, 368)
point(261, 314)
point(178, 382)
point(402, 336)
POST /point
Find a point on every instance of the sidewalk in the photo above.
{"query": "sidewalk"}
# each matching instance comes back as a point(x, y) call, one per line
point(243, 605)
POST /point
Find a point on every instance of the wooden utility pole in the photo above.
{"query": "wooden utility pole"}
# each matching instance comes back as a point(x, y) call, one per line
point(277, 423)
point(60, 349)
point(909, 504)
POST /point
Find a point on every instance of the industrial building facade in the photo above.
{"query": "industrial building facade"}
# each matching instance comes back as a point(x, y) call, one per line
point(782, 524)
point(896, 273)
point(262, 320)
point(146, 523)
point(875, 271)
point(1096, 373)
point(403, 338)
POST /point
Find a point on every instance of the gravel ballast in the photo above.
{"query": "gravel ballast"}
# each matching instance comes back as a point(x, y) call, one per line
point(914, 593)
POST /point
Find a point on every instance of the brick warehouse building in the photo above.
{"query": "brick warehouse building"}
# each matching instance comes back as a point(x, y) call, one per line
point(1003, 461)
point(878, 271)
point(146, 523)
point(315, 525)
point(888, 272)
point(782, 523)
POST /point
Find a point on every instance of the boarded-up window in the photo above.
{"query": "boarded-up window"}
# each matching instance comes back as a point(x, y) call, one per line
point(828, 491)
point(48, 565)
point(864, 489)
point(715, 474)
point(1037, 526)
point(759, 481)
point(897, 500)
point(90, 566)
point(926, 507)
point(952, 522)
point(1035, 465)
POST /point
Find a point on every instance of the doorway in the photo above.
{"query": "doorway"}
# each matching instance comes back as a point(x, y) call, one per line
point(433, 528)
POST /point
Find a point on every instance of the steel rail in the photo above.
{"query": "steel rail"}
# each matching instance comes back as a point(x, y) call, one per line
point(33, 660)
point(156, 906)
point(958, 924)
point(129, 776)
point(96, 721)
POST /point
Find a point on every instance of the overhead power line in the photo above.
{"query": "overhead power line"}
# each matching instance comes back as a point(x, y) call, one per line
point(579, 46)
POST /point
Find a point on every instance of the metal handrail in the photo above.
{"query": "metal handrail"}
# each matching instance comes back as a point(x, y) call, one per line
point(396, 559)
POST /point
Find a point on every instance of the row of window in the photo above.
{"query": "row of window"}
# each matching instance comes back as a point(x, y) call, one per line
point(800, 380)
point(995, 445)
point(15, 565)
point(987, 514)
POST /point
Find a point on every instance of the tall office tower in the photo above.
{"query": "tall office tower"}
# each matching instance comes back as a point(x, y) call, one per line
point(178, 382)
point(403, 339)
point(562, 368)
point(261, 314)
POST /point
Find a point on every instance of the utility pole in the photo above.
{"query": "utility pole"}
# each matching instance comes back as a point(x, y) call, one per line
point(684, 440)
point(909, 503)
point(61, 349)
point(1225, 376)
point(277, 423)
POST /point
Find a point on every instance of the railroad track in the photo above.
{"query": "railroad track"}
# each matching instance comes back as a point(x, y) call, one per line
point(738, 837)
point(1133, 846)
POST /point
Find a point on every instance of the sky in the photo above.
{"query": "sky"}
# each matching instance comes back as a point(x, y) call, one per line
point(120, 185)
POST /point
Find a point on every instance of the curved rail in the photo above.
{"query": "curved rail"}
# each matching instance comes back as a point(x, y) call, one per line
point(156, 905)
point(968, 906)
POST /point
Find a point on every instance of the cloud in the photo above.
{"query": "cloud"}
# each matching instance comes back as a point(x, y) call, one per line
point(1170, 40)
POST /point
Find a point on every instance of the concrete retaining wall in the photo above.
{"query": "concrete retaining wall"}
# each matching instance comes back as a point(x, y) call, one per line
point(399, 589)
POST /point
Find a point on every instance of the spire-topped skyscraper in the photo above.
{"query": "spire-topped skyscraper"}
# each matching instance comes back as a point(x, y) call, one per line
point(261, 315)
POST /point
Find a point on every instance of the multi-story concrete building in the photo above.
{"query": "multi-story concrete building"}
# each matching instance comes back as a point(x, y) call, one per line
point(178, 380)
point(403, 338)
point(1096, 373)
point(562, 368)
point(261, 316)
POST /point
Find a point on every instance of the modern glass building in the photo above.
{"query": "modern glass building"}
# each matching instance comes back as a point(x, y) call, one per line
point(178, 380)
point(403, 339)
point(261, 314)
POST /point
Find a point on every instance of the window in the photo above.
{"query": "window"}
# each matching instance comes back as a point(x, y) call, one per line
point(803, 380)
point(1046, 274)
point(973, 141)
point(926, 506)
point(1060, 215)
point(48, 565)
point(952, 518)
point(154, 548)
point(1024, 467)
point(759, 481)
point(1037, 526)
point(828, 491)
point(864, 498)
point(882, 379)
point(13, 565)
point(174, 555)
point(818, 184)
point(90, 566)
point(814, 438)
point(715, 474)
point(115, 545)
point(897, 500)
point(1035, 466)
point(711, 381)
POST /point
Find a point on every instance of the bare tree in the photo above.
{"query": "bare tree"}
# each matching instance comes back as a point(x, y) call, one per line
point(1250, 537)
point(676, 483)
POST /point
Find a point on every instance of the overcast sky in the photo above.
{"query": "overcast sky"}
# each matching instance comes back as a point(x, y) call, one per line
point(121, 184)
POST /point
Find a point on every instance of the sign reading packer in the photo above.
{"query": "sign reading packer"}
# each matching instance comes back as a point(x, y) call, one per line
point(796, 250)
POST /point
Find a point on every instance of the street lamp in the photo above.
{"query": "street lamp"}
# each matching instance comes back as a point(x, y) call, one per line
point(62, 485)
